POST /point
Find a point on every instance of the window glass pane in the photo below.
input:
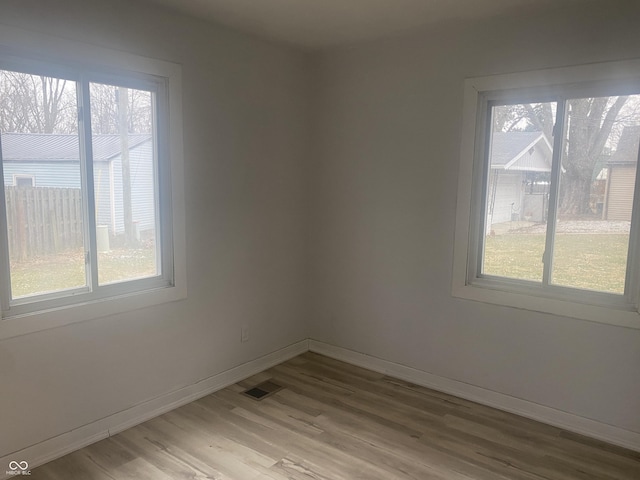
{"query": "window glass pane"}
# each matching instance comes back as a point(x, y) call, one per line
point(124, 182)
point(517, 191)
point(595, 198)
point(41, 165)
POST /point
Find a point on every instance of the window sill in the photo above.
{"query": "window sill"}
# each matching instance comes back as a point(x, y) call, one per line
point(13, 326)
point(565, 308)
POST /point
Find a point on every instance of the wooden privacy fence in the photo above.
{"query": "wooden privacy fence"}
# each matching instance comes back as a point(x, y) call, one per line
point(43, 220)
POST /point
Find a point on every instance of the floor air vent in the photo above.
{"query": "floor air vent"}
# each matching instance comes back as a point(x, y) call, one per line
point(262, 390)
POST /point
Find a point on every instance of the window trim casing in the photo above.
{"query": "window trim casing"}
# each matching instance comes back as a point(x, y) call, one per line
point(17, 176)
point(70, 55)
point(521, 294)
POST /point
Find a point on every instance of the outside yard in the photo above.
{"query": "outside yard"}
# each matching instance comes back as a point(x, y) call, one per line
point(66, 270)
point(593, 261)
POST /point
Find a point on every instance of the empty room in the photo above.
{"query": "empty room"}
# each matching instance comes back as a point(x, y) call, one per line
point(329, 240)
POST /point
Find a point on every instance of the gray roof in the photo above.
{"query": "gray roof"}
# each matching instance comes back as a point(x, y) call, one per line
point(628, 146)
point(58, 147)
point(506, 146)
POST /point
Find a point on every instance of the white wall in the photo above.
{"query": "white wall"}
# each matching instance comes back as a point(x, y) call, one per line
point(388, 136)
point(378, 218)
point(245, 134)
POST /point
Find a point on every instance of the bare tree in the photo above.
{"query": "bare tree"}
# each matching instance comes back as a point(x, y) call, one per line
point(123, 95)
point(590, 124)
point(105, 107)
point(536, 117)
point(36, 104)
point(40, 104)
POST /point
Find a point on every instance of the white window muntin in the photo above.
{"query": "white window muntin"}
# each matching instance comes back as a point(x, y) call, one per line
point(557, 85)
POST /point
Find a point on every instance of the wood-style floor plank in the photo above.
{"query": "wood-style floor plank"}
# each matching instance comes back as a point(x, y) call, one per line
point(334, 421)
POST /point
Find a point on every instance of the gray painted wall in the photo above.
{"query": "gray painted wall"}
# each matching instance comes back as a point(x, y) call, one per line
point(385, 182)
point(246, 128)
point(368, 221)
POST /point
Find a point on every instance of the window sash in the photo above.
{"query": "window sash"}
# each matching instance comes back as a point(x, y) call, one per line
point(559, 129)
point(560, 95)
point(162, 191)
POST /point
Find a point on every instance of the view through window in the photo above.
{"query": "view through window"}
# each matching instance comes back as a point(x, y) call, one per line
point(68, 232)
point(559, 194)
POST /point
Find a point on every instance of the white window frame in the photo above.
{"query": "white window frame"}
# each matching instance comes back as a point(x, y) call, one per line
point(59, 57)
point(22, 176)
point(467, 282)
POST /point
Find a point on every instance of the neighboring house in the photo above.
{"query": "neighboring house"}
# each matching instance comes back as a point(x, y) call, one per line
point(621, 176)
point(52, 160)
point(515, 188)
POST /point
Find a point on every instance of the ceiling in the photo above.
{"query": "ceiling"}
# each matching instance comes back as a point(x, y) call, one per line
point(325, 23)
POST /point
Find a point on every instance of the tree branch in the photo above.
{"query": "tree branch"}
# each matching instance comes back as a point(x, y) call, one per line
point(609, 120)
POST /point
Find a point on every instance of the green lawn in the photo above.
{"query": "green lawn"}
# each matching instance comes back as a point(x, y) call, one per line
point(589, 261)
point(66, 270)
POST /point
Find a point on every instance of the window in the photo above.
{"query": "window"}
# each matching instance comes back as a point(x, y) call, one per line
point(23, 181)
point(548, 202)
point(100, 225)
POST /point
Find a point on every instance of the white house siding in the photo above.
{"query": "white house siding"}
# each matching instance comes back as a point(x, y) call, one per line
point(107, 185)
point(102, 193)
point(620, 195)
point(61, 174)
point(46, 174)
point(534, 161)
point(508, 192)
point(142, 188)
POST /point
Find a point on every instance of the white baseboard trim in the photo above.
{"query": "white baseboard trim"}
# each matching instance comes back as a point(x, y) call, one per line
point(68, 442)
point(524, 408)
point(78, 438)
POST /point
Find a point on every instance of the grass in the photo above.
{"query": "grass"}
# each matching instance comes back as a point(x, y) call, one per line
point(588, 261)
point(66, 270)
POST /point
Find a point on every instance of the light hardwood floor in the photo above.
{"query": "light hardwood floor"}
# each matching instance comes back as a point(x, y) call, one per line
point(336, 421)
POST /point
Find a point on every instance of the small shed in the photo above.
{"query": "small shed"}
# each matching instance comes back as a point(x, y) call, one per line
point(53, 160)
point(621, 178)
point(517, 159)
